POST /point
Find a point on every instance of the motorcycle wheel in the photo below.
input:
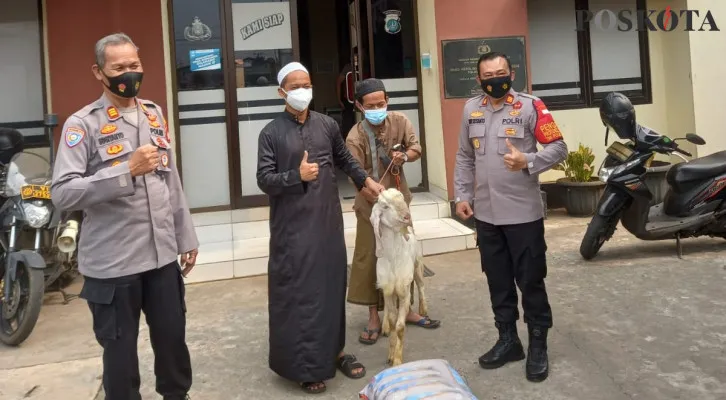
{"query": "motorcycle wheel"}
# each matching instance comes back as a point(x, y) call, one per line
point(599, 230)
point(18, 318)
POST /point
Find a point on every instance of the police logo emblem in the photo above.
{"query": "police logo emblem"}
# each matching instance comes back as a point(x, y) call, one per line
point(114, 149)
point(121, 87)
point(108, 128)
point(476, 143)
point(476, 114)
point(74, 136)
point(197, 31)
point(392, 23)
point(164, 160)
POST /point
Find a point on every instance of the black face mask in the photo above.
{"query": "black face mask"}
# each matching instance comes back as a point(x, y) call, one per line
point(125, 85)
point(497, 87)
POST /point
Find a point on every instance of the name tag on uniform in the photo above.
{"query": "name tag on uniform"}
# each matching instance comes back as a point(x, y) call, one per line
point(512, 121)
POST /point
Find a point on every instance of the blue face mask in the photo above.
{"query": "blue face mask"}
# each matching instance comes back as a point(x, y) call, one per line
point(376, 117)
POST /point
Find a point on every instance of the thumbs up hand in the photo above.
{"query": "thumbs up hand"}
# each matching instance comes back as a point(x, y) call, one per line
point(515, 159)
point(308, 171)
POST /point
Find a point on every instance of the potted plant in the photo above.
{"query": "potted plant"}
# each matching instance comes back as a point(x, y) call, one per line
point(582, 190)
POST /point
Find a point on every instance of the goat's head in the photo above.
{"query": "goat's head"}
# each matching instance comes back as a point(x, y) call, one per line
point(392, 212)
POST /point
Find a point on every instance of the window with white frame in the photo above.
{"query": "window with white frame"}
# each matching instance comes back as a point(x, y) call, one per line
point(22, 94)
point(574, 68)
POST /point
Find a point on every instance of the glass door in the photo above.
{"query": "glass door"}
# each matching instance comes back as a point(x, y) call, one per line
point(387, 49)
point(263, 38)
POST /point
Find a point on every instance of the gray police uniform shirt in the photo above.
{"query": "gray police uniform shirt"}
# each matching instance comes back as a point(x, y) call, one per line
point(130, 225)
point(500, 196)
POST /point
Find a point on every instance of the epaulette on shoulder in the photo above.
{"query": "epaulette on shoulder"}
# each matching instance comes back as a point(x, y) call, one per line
point(87, 110)
point(147, 103)
point(528, 96)
point(476, 99)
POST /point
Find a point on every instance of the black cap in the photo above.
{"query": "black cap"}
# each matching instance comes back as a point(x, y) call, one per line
point(368, 86)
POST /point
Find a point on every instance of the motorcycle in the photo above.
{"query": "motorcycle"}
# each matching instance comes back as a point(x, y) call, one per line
point(693, 205)
point(39, 250)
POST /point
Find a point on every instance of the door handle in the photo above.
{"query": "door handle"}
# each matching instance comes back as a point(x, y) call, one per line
point(347, 87)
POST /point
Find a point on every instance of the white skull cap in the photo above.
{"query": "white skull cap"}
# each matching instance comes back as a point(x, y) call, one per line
point(291, 67)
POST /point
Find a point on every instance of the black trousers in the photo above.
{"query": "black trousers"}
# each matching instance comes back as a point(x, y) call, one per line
point(116, 306)
point(515, 254)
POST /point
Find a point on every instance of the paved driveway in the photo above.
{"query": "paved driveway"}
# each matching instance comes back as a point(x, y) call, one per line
point(636, 323)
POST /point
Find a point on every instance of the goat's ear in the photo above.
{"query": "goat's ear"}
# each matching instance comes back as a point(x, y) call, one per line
point(376, 222)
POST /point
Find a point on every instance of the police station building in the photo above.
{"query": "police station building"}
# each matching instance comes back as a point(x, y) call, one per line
point(212, 66)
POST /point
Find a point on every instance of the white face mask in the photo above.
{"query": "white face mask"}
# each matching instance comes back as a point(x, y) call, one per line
point(299, 99)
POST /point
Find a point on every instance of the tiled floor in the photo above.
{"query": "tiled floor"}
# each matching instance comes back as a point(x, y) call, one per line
point(234, 244)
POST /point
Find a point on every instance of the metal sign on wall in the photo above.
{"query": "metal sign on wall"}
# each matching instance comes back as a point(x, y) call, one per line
point(261, 26)
point(460, 59)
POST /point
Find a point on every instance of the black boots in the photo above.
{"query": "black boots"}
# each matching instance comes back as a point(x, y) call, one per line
point(537, 362)
point(507, 349)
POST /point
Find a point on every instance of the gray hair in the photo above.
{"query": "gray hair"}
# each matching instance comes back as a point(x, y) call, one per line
point(115, 39)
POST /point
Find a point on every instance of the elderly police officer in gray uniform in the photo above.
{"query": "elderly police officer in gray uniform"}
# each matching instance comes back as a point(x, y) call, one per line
point(497, 168)
point(115, 163)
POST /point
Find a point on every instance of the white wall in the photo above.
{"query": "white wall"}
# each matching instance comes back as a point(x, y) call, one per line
point(433, 125)
point(708, 60)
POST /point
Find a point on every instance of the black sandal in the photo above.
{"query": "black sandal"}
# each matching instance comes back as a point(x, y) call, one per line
point(370, 332)
point(347, 364)
point(313, 387)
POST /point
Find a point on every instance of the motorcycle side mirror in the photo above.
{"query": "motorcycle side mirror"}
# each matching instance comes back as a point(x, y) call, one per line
point(695, 139)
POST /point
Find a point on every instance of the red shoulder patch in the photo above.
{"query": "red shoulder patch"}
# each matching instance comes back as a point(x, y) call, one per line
point(545, 130)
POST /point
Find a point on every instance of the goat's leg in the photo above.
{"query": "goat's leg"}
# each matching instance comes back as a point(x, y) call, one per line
point(418, 276)
point(386, 324)
point(389, 320)
point(404, 306)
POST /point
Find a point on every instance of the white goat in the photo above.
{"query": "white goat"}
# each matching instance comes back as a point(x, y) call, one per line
point(399, 264)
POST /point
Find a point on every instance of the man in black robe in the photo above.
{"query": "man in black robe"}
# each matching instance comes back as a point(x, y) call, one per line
point(307, 272)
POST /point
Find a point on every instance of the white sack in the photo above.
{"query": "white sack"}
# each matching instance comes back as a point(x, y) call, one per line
point(418, 380)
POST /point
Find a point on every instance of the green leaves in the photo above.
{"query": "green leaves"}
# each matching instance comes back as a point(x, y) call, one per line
point(578, 165)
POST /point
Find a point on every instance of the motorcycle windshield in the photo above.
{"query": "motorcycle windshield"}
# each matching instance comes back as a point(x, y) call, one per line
point(29, 176)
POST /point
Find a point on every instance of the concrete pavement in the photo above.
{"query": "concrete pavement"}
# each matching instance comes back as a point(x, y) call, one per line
point(635, 323)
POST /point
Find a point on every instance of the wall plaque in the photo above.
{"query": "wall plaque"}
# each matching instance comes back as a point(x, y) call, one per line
point(460, 61)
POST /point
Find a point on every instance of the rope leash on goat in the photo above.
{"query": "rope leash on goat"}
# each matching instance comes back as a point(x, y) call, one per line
point(395, 170)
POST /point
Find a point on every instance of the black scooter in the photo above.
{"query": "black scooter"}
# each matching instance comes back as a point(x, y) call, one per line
point(693, 205)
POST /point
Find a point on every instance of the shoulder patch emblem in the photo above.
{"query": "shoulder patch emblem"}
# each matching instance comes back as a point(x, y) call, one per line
point(484, 101)
point(476, 114)
point(73, 136)
point(112, 113)
point(108, 128)
point(114, 149)
point(510, 99)
point(164, 160)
